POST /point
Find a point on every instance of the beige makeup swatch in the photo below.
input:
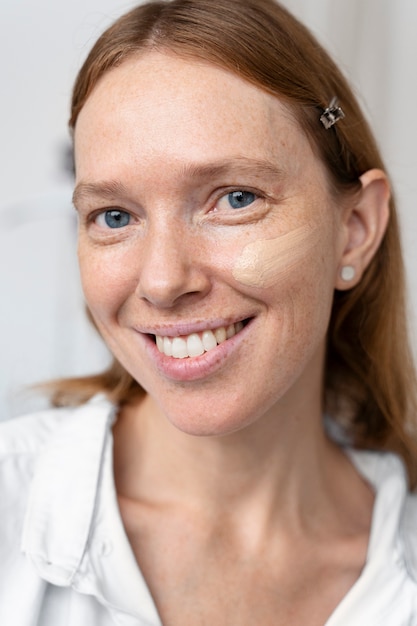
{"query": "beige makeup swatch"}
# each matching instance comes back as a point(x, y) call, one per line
point(265, 261)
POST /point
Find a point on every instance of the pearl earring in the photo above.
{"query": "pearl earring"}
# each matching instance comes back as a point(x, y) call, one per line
point(347, 273)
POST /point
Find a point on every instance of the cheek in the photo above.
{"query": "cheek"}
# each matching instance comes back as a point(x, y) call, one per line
point(268, 262)
point(296, 274)
point(107, 277)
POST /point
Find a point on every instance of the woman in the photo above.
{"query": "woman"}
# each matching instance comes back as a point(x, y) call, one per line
point(239, 254)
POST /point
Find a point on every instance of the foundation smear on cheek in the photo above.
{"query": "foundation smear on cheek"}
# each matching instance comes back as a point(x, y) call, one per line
point(265, 261)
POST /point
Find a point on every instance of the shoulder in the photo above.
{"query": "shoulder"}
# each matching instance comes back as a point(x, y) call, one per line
point(27, 435)
point(43, 456)
point(394, 522)
point(22, 442)
point(49, 467)
point(410, 533)
point(25, 442)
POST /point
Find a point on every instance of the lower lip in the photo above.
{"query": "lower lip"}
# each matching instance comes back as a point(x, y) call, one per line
point(195, 368)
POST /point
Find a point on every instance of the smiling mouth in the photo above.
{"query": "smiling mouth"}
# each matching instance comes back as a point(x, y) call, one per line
point(197, 344)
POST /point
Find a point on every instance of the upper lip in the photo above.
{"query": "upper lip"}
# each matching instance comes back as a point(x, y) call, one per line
point(181, 329)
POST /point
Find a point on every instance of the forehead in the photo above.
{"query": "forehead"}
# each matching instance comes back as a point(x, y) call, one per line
point(161, 106)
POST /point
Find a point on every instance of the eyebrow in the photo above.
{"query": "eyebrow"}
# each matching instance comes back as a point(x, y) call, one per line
point(108, 190)
point(240, 165)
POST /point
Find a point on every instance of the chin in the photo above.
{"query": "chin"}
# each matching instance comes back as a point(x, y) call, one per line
point(209, 423)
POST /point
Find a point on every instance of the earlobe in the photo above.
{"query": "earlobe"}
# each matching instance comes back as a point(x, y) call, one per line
point(365, 223)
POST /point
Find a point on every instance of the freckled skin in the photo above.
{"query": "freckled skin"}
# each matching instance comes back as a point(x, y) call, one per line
point(256, 499)
point(182, 257)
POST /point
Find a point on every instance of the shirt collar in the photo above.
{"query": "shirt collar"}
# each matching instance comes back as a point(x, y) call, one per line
point(385, 592)
point(109, 561)
point(386, 474)
point(62, 496)
point(74, 536)
point(73, 533)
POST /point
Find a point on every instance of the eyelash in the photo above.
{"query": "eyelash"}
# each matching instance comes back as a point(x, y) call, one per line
point(236, 193)
point(119, 214)
point(107, 212)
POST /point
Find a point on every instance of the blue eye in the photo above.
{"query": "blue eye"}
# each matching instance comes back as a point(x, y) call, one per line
point(116, 219)
point(241, 199)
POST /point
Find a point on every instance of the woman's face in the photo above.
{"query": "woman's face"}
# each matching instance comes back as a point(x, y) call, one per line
point(209, 243)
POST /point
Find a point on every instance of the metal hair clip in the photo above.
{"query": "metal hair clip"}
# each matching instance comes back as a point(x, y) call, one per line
point(332, 114)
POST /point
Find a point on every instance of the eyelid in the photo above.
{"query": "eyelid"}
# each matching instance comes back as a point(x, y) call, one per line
point(103, 216)
point(92, 217)
point(101, 232)
point(259, 195)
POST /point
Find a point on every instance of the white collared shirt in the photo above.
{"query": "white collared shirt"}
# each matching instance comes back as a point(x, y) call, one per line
point(65, 559)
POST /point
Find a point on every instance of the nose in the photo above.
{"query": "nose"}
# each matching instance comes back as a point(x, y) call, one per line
point(172, 268)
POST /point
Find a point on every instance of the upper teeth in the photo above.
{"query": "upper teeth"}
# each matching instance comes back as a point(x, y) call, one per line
point(196, 343)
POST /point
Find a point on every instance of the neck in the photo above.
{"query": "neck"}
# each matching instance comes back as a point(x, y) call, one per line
point(280, 463)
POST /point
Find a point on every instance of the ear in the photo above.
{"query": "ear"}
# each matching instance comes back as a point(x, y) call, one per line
point(364, 225)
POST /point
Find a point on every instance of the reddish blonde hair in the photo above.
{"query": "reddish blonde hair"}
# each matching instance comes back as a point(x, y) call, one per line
point(369, 375)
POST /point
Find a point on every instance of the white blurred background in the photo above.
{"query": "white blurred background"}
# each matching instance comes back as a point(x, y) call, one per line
point(43, 330)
